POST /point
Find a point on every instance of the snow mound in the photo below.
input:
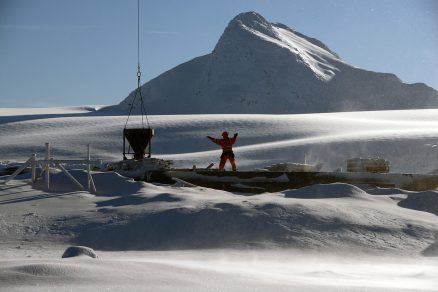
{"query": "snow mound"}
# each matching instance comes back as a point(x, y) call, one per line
point(138, 200)
point(424, 201)
point(327, 191)
point(113, 184)
point(432, 250)
point(387, 191)
point(183, 228)
point(107, 183)
point(76, 251)
point(45, 270)
point(50, 275)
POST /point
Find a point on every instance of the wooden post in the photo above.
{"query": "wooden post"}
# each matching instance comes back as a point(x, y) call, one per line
point(183, 182)
point(18, 171)
point(93, 186)
point(47, 166)
point(88, 168)
point(34, 168)
point(124, 145)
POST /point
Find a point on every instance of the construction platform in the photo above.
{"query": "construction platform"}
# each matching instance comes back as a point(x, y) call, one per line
point(269, 181)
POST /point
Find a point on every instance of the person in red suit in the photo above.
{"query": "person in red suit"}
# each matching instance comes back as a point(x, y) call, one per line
point(226, 144)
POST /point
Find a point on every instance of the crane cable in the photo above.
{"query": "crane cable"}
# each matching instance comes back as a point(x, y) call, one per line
point(138, 90)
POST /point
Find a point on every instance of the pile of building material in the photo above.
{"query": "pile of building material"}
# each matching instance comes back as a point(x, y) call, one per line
point(373, 165)
point(139, 169)
point(294, 167)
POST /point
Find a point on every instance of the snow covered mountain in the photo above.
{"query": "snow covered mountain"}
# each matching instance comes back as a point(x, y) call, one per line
point(263, 67)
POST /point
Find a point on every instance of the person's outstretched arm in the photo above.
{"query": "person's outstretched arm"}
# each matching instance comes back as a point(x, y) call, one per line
point(235, 137)
point(213, 140)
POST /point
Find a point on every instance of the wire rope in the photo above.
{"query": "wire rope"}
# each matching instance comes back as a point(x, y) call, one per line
point(138, 90)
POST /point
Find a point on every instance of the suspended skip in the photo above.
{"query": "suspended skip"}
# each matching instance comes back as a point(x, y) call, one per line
point(139, 139)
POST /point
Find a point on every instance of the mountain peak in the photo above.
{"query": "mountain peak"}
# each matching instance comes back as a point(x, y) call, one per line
point(250, 18)
point(312, 53)
point(253, 21)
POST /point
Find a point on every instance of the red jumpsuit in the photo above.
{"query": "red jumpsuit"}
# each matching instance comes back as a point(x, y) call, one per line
point(227, 151)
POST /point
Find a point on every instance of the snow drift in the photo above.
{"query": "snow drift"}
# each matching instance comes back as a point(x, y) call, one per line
point(219, 270)
point(198, 239)
point(336, 190)
point(142, 216)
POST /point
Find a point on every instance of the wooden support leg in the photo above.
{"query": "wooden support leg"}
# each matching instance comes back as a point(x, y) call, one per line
point(70, 176)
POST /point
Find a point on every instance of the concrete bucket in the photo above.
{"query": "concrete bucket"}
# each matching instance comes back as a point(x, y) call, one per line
point(139, 139)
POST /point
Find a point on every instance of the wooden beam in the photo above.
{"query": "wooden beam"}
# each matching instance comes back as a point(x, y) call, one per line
point(18, 171)
point(70, 176)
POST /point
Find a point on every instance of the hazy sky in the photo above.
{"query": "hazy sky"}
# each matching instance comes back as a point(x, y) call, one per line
point(83, 52)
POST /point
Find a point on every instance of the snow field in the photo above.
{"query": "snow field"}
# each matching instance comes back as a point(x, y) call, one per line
point(149, 237)
point(407, 138)
point(227, 270)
